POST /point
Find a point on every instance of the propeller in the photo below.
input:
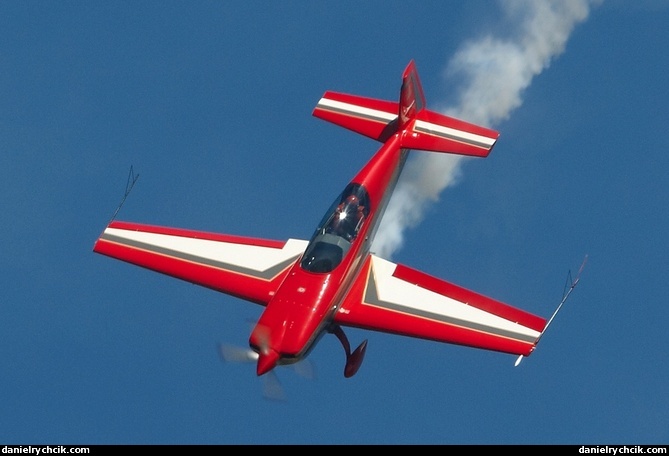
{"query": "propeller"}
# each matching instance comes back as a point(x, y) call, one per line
point(235, 354)
point(271, 386)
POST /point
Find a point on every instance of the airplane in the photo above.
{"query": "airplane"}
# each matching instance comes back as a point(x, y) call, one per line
point(334, 280)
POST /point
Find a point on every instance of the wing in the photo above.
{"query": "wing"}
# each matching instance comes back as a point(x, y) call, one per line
point(393, 298)
point(248, 268)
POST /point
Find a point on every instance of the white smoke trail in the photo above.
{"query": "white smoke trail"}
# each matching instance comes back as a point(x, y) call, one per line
point(496, 72)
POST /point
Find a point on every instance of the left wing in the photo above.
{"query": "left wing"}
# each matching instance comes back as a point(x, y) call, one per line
point(396, 299)
point(248, 268)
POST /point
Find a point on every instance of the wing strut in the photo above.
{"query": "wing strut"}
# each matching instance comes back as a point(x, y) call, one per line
point(132, 178)
point(567, 291)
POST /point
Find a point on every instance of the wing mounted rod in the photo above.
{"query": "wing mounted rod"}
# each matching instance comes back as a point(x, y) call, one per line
point(569, 286)
point(132, 178)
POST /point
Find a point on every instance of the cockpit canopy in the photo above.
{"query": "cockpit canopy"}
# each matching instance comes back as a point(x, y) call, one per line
point(337, 231)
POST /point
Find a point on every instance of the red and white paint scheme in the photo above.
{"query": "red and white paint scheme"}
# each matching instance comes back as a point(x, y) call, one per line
point(317, 286)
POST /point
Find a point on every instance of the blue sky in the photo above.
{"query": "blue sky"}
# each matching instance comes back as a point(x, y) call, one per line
point(211, 102)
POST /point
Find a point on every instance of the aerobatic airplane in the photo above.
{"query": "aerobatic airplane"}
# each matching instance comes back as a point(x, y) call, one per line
point(334, 280)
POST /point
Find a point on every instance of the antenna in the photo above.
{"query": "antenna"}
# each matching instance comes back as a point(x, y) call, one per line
point(566, 293)
point(568, 288)
point(132, 178)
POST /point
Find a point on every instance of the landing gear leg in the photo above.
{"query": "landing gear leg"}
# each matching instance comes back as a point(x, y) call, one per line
point(353, 360)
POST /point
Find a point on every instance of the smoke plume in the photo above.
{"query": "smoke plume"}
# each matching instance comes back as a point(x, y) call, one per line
point(495, 71)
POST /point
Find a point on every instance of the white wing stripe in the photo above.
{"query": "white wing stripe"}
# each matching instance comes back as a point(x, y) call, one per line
point(352, 109)
point(452, 133)
point(397, 294)
point(240, 257)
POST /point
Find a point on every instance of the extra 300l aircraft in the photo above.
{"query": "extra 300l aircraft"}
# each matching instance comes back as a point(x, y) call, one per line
point(317, 286)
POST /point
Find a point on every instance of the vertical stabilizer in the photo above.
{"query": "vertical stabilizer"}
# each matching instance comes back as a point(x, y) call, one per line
point(412, 99)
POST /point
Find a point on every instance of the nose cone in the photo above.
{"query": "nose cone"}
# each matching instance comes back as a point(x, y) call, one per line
point(267, 361)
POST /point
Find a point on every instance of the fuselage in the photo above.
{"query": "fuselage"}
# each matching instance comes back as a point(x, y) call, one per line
point(304, 304)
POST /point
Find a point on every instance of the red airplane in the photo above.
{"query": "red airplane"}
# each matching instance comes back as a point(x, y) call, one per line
point(317, 286)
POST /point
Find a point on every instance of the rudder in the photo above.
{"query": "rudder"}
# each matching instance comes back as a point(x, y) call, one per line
point(412, 98)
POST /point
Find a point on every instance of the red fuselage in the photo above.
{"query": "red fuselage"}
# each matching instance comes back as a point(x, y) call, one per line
point(303, 306)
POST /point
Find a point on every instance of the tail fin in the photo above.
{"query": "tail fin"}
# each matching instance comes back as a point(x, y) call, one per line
point(412, 99)
point(418, 127)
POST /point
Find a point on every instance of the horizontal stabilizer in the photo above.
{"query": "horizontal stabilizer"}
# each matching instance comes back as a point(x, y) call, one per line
point(418, 127)
point(436, 132)
point(367, 116)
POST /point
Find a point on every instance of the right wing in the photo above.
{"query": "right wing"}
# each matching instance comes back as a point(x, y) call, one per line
point(393, 298)
point(247, 268)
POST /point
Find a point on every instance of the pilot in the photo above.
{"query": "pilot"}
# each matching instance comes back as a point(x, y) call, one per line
point(347, 217)
point(352, 202)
